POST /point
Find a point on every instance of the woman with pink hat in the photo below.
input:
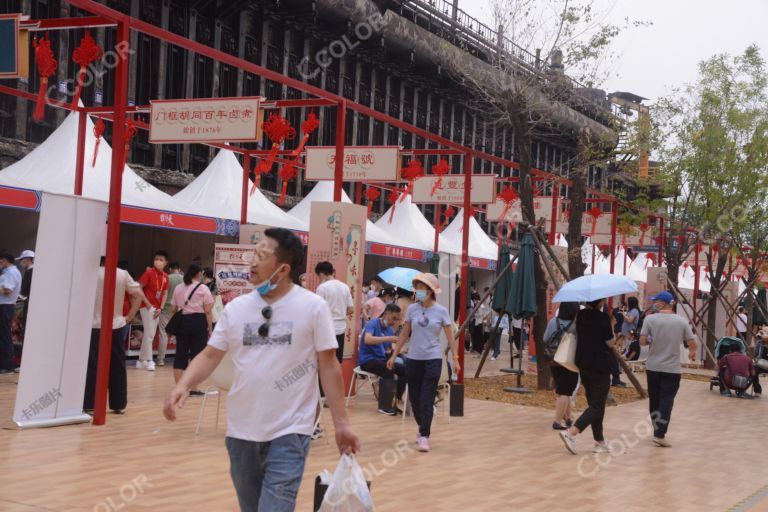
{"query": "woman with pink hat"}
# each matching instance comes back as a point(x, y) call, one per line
point(424, 321)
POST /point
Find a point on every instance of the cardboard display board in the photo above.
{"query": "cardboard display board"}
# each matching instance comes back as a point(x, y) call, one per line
point(232, 269)
point(337, 234)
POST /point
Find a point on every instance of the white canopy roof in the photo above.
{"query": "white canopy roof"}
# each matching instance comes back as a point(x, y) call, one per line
point(323, 191)
point(50, 167)
point(411, 229)
point(218, 191)
point(480, 244)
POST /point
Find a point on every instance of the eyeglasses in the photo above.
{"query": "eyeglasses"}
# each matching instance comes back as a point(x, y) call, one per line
point(264, 328)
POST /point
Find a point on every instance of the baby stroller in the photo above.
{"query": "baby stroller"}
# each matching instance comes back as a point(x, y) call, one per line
point(723, 347)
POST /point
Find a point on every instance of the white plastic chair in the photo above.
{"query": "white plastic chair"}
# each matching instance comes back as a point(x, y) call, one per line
point(358, 374)
point(222, 378)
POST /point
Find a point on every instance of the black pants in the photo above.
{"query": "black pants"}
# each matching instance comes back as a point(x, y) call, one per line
point(615, 370)
point(7, 312)
point(118, 380)
point(340, 348)
point(423, 377)
point(191, 339)
point(662, 389)
point(596, 386)
point(478, 338)
point(517, 337)
point(379, 367)
point(756, 387)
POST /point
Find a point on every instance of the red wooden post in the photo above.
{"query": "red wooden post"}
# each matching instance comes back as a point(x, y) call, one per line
point(662, 237)
point(359, 192)
point(555, 201)
point(244, 192)
point(113, 226)
point(338, 174)
point(437, 228)
point(82, 120)
point(614, 217)
point(463, 303)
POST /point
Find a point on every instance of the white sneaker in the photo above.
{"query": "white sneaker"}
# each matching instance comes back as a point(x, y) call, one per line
point(661, 442)
point(318, 433)
point(493, 358)
point(141, 365)
point(151, 366)
point(601, 448)
point(568, 441)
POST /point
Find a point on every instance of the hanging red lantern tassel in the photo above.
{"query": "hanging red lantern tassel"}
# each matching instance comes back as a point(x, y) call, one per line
point(287, 173)
point(650, 259)
point(624, 230)
point(447, 214)
point(411, 173)
point(509, 195)
point(643, 230)
point(307, 127)
point(440, 169)
point(278, 130)
point(98, 131)
point(394, 197)
point(130, 131)
point(595, 213)
point(371, 194)
point(87, 52)
point(46, 66)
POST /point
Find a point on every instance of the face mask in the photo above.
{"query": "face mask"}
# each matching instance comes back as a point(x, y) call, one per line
point(267, 286)
point(421, 295)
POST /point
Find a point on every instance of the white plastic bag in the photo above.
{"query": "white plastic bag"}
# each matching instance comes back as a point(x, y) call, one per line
point(347, 491)
point(566, 352)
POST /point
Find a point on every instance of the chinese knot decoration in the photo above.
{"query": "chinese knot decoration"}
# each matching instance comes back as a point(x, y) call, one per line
point(371, 194)
point(650, 259)
point(278, 129)
point(311, 124)
point(393, 197)
point(98, 131)
point(286, 174)
point(595, 213)
point(440, 169)
point(509, 195)
point(87, 52)
point(130, 132)
point(412, 172)
point(46, 66)
point(643, 231)
point(447, 214)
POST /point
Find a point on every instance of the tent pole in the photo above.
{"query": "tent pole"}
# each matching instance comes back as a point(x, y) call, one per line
point(113, 226)
point(244, 194)
point(82, 119)
point(338, 174)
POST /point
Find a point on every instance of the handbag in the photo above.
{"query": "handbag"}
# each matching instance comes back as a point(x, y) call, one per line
point(566, 352)
point(174, 323)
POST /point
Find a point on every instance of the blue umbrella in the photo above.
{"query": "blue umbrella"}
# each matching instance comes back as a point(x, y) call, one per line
point(594, 287)
point(400, 276)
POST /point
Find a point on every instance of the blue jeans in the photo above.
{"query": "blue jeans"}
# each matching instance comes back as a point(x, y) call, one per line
point(267, 475)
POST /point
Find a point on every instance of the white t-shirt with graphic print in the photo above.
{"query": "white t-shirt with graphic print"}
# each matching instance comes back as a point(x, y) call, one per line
point(275, 389)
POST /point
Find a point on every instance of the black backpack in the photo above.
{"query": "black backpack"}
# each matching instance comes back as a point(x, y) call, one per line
point(551, 343)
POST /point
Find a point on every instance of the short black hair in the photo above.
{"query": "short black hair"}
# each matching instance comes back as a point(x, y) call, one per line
point(376, 279)
point(387, 291)
point(632, 303)
point(174, 265)
point(325, 268)
point(289, 248)
point(392, 308)
point(5, 255)
point(568, 310)
point(163, 254)
point(208, 272)
point(192, 271)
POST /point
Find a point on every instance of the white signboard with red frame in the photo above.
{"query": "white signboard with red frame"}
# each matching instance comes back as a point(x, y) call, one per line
point(450, 189)
point(204, 120)
point(361, 163)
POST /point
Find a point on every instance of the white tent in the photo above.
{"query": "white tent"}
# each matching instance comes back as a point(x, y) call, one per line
point(218, 191)
point(323, 191)
point(412, 229)
point(480, 244)
point(50, 167)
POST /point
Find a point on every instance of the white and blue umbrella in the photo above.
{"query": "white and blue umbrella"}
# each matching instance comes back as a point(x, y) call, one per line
point(400, 276)
point(594, 287)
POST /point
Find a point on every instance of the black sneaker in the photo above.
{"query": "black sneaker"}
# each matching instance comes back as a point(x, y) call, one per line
point(619, 384)
point(569, 423)
point(558, 426)
point(4, 371)
point(196, 393)
point(388, 412)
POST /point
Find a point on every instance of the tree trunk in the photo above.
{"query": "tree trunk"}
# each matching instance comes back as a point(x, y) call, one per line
point(523, 145)
point(575, 238)
point(714, 281)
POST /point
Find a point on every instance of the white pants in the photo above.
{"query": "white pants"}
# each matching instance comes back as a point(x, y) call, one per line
point(165, 316)
point(149, 322)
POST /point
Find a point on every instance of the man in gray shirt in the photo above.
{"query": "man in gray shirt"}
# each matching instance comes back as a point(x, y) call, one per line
point(665, 332)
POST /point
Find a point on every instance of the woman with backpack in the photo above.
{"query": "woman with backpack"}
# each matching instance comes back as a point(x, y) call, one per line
point(565, 380)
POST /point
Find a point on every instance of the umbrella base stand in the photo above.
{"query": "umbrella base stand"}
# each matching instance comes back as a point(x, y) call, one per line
point(513, 371)
point(518, 390)
point(456, 404)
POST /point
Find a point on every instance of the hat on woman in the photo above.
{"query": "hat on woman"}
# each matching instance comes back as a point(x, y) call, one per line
point(430, 280)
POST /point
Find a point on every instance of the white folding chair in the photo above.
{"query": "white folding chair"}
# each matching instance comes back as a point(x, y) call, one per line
point(358, 374)
point(222, 378)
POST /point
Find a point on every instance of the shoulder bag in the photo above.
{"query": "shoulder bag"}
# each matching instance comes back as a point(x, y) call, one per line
point(565, 355)
point(173, 325)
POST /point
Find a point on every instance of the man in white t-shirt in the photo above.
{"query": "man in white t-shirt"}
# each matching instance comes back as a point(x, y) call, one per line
point(339, 299)
point(741, 323)
point(280, 337)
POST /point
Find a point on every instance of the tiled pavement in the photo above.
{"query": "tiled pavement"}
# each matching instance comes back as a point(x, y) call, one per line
point(497, 457)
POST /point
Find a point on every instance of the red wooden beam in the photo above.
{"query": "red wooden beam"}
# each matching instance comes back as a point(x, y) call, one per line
point(66, 23)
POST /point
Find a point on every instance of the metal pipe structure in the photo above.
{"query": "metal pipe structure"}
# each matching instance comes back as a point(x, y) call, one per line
point(244, 192)
point(338, 169)
point(464, 302)
point(113, 229)
point(82, 120)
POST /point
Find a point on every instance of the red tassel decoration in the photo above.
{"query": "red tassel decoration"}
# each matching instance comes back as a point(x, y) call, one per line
point(307, 127)
point(650, 258)
point(595, 213)
point(46, 66)
point(371, 194)
point(411, 173)
point(394, 197)
point(447, 214)
point(87, 52)
point(509, 196)
point(287, 173)
point(278, 130)
point(98, 131)
point(440, 169)
point(130, 131)
point(643, 230)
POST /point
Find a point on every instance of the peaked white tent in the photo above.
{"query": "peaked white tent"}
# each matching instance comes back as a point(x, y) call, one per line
point(50, 167)
point(323, 191)
point(218, 191)
point(480, 244)
point(412, 229)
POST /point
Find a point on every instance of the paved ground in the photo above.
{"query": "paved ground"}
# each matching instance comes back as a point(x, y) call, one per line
point(497, 457)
